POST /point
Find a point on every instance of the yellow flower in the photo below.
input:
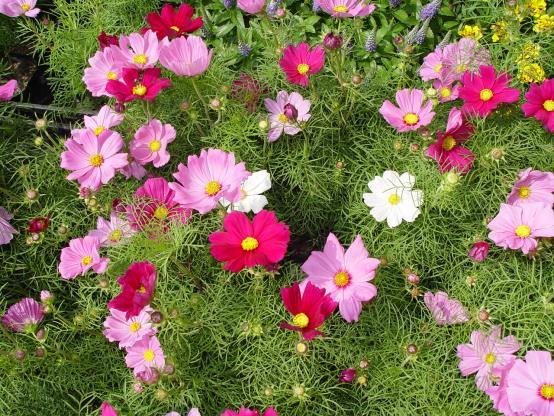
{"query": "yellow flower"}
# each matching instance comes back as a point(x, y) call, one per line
point(544, 23)
point(536, 7)
point(469, 31)
point(531, 73)
point(529, 53)
point(500, 33)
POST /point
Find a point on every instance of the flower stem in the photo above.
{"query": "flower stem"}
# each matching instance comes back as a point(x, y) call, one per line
point(204, 104)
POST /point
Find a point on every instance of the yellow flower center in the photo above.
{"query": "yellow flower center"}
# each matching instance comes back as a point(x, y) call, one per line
point(461, 68)
point(96, 160)
point(115, 235)
point(490, 358)
point(438, 68)
point(111, 75)
point(155, 145)
point(139, 90)
point(283, 118)
point(149, 355)
point(524, 192)
point(161, 213)
point(244, 194)
point(548, 105)
point(303, 68)
point(134, 327)
point(86, 260)
point(446, 92)
point(141, 289)
point(523, 231)
point(98, 130)
point(301, 320)
point(25, 7)
point(547, 391)
point(340, 9)
point(448, 143)
point(486, 94)
point(342, 279)
point(394, 199)
point(140, 59)
point(175, 28)
point(212, 188)
point(410, 119)
point(249, 244)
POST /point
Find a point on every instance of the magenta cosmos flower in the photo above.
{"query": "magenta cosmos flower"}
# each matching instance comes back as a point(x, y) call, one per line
point(347, 8)
point(485, 354)
point(104, 120)
point(186, 56)
point(518, 227)
point(530, 387)
point(138, 51)
point(347, 375)
point(173, 23)
point(150, 143)
point(243, 411)
point(23, 316)
point(81, 256)
point(251, 6)
point(7, 90)
point(14, 8)
point(300, 61)
point(413, 113)
point(479, 251)
point(95, 160)
point(447, 150)
point(104, 67)
point(145, 355)
point(128, 331)
point(107, 410)
point(484, 92)
point(6, 230)
point(207, 178)
point(532, 186)
point(540, 103)
point(445, 311)
point(344, 275)
point(287, 112)
point(138, 86)
point(113, 232)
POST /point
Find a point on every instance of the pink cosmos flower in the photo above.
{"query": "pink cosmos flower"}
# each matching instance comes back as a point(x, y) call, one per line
point(6, 230)
point(150, 143)
point(464, 55)
point(81, 256)
point(23, 316)
point(300, 61)
point(138, 86)
point(251, 6)
point(518, 227)
point(186, 56)
point(243, 411)
point(287, 112)
point(532, 186)
point(104, 120)
point(479, 251)
point(530, 387)
point(107, 410)
point(446, 90)
point(347, 375)
point(484, 92)
point(144, 355)
point(94, 161)
point(432, 65)
point(485, 354)
point(447, 150)
point(46, 296)
point(128, 331)
point(113, 232)
point(104, 67)
point(413, 113)
point(347, 8)
point(7, 90)
point(445, 311)
point(499, 393)
point(207, 178)
point(540, 103)
point(344, 275)
point(133, 168)
point(14, 8)
point(138, 51)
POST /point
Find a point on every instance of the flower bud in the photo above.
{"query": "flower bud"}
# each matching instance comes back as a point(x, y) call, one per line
point(263, 125)
point(339, 165)
point(280, 12)
point(497, 154)
point(479, 251)
point(40, 352)
point(215, 104)
point(20, 355)
point(268, 391)
point(412, 279)
point(161, 394)
point(431, 92)
point(38, 141)
point(301, 347)
point(35, 237)
point(398, 145)
point(119, 108)
point(356, 79)
point(62, 230)
point(347, 375)
point(364, 364)
point(483, 315)
point(331, 42)
point(425, 132)
point(290, 111)
point(38, 224)
point(40, 334)
point(362, 380)
point(278, 51)
point(41, 124)
point(383, 262)
point(31, 194)
point(138, 388)
point(46, 296)
point(156, 317)
point(298, 391)
point(169, 369)
point(103, 283)
point(185, 105)
point(414, 147)
point(411, 349)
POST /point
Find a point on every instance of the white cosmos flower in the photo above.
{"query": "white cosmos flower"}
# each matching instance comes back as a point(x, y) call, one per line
point(252, 189)
point(392, 198)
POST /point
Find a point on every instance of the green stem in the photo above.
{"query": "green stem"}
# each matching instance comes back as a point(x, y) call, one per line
point(204, 104)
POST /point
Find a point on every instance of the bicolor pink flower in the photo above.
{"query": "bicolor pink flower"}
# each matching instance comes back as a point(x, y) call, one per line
point(173, 23)
point(345, 275)
point(150, 143)
point(81, 256)
point(532, 186)
point(107, 410)
point(251, 6)
point(287, 114)
point(484, 92)
point(432, 65)
point(104, 67)
point(145, 355)
point(207, 178)
point(138, 51)
point(499, 393)
point(540, 103)
point(446, 90)
point(133, 168)
point(15, 8)
point(104, 120)
point(445, 311)
point(300, 61)
point(128, 331)
point(23, 316)
point(464, 55)
point(145, 85)
point(6, 229)
point(113, 232)
point(243, 411)
point(186, 56)
point(518, 227)
point(347, 8)
point(413, 113)
point(479, 251)
point(7, 90)
point(448, 150)
point(94, 161)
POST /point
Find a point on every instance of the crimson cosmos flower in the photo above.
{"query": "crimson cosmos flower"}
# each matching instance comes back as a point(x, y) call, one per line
point(137, 86)
point(38, 224)
point(172, 23)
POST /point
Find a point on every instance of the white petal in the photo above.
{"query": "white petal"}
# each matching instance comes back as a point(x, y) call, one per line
point(257, 183)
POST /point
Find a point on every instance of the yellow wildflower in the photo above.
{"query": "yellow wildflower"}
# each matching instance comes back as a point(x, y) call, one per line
point(500, 33)
point(536, 7)
point(469, 31)
point(544, 23)
point(529, 53)
point(531, 73)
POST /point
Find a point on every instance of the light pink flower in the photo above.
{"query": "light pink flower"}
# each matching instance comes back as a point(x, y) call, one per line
point(138, 51)
point(532, 186)
point(499, 393)
point(133, 168)
point(150, 143)
point(104, 67)
point(432, 65)
point(81, 256)
point(128, 331)
point(6, 229)
point(446, 91)
point(113, 232)
point(145, 355)
point(251, 6)
point(104, 120)
point(287, 112)
point(23, 316)
point(347, 8)
point(7, 90)
point(445, 311)
point(14, 8)
point(186, 56)
point(464, 55)
point(413, 113)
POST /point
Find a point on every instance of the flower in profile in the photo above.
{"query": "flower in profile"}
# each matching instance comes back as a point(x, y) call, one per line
point(251, 6)
point(138, 86)
point(104, 67)
point(23, 316)
point(105, 40)
point(81, 256)
point(104, 120)
point(243, 244)
point(479, 251)
point(540, 103)
point(94, 161)
point(348, 375)
point(186, 56)
point(345, 275)
point(287, 113)
point(484, 92)
point(464, 55)
point(6, 229)
point(393, 198)
point(445, 311)
point(518, 227)
point(113, 232)
point(137, 288)
point(150, 143)
point(7, 90)
point(251, 189)
point(145, 355)
point(208, 178)
point(347, 8)
point(138, 51)
point(15, 8)
point(413, 111)
point(248, 90)
point(38, 224)
point(300, 61)
point(243, 411)
point(532, 186)
point(448, 150)
point(128, 331)
point(432, 65)
point(173, 23)
point(133, 168)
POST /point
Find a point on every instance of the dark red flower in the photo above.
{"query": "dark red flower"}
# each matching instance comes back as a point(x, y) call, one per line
point(107, 40)
point(137, 85)
point(248, 90)
point(173, 23)
point(348, 375)
point(38, 224)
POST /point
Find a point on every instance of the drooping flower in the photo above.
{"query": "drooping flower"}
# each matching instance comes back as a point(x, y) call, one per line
point(251, 189)
point(104, 67)
point(107, 410)
point(251, 6)
point(137, 288)
point(248, 90)
point(287, 114)
point(186, 56)
point(104, 120)
point(7, 90)
point(105, 40)
point(38, 224)
point(244, 244)
point(173, 23)
point(499, 393)
point(15, 8)
point(6, 230)
point(464, 55)
point(445, 311)
point(94, 161)
point(81, 256)
point(113, 232)
point(207, 178)
point(347, 375)
point(138, 51)
point(128, 331)
point(23, 316)
point(145, 355)
point(138, 86)
point(309, 308)
point(518, 227)
point(448, 150)
point(392, 198)
point(243, 411)
point(298, 62)
point(432, 65)
point(413, 113)
point(347, 8)
point(479, 251)
point(484, 92)
point(150, 143)
point(540, 103)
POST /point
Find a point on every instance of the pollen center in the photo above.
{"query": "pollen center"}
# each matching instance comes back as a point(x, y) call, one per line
point(161, 213)
point(96, 160)
point(111, 75)
point(523, 231)
point(303, 68)
point(134, 327)
point(86, 260)
point(524, 192)
point(448, 143)
point(547, 391)
point(141, 289)
point(342, 279)
point(149, 355)
point(340, 9)
point(301, 320)
point(139, 90)
point(411, 118)
point(212, 188)
point(437, 68)
point(548, 105)
point(490, 358)
point(98, 130)
point(283, 118)
point(115, 235)
point(461, 68)
point(155, 145)
point(175, 28)
point(140, 59)
point(394, 199)
point(446, 92)
point(249, 244)
point(486, 94)
point(25, 7)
